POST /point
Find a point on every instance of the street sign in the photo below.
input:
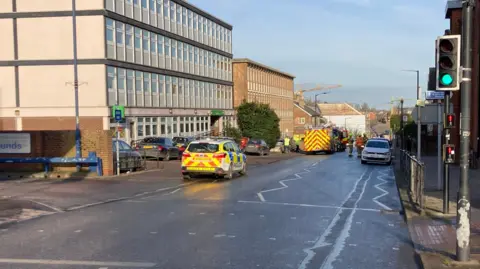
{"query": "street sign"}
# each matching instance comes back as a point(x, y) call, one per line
point(118, 112)
point(405, 118)
point(435, 95)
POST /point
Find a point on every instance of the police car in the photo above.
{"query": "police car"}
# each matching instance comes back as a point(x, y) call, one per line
point(217, 157)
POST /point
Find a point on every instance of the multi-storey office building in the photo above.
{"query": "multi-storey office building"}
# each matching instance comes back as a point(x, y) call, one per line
point(168, 62)
point(255, 82)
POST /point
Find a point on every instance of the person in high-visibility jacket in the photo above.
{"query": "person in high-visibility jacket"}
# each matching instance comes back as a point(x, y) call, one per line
point(286, 143)
point(359, 143)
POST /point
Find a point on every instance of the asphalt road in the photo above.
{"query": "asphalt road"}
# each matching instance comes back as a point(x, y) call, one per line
point(307, 212)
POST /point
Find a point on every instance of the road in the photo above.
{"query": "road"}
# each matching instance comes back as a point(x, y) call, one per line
point(307, 212)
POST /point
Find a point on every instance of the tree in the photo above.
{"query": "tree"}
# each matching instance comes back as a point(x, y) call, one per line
point(395, 122)
point(258, 121)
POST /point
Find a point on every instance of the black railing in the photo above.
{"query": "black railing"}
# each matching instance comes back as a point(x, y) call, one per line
point(413, 172)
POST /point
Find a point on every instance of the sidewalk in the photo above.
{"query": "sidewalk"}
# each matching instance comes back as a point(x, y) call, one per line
point(433, 234)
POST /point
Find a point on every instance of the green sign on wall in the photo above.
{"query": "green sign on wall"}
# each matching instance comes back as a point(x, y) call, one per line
point(217, 112)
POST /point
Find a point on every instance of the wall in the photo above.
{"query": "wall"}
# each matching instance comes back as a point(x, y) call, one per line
point(299, 128)
point(354, 122)
point(62, 144)
point(240, 90)
point(54, 5)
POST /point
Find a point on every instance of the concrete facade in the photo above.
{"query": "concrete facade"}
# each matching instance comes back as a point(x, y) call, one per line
point(345, 116)
point(168, 62)
point(255, 82)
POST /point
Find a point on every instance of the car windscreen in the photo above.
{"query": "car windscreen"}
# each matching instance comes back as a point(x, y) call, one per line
point(203, 147)
point(378, 144)
point(180, 140)
point(254, 141)
point(154, 140)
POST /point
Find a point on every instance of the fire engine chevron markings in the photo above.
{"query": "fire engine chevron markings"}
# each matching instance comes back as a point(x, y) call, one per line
point(381, 177)
point(282, 182)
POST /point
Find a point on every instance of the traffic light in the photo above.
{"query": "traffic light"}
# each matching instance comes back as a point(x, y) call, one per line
point(448, 63)
point(449, 153)
point(449, 121)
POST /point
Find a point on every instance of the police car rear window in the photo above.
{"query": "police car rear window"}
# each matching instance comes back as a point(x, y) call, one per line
point(203, 147)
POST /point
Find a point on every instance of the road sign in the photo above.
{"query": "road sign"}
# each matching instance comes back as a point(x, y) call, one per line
point(435, 95)
point(405, 118)
point(118, 113)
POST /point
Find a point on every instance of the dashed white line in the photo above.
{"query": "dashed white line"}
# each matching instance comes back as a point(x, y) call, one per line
point(78, 231)
point(310, 205)
point(381, 177)
point(172, 192)
point(282, 182)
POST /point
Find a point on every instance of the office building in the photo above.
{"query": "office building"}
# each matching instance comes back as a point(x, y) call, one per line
point(168, 62)
point(255, 82)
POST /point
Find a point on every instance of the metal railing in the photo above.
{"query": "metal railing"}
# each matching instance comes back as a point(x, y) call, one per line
point(413, 172)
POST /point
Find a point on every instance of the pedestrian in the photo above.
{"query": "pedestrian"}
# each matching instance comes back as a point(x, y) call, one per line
point(286, 143)
point(297, 145)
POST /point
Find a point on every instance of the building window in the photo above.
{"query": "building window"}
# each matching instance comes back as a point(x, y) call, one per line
point(140, 132)
point(155, 126)
point(166, 9)
point(130, 91)
point(138, 38)
point(111, 81)
point(110, 30)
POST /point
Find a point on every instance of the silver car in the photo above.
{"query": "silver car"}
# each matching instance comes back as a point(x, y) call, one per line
point(377, 151)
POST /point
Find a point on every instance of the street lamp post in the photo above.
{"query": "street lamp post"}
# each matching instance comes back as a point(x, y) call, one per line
point(316, 106)
point(78, 143)
point(419, 123)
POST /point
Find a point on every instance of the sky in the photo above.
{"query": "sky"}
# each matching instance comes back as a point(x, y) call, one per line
point(361, 44)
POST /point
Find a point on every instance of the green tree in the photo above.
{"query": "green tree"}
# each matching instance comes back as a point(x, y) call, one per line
point(233, 132)
point(258, 121)
point(395, 122)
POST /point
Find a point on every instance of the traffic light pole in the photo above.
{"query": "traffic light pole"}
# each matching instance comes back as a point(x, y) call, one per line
point(402, 124)
point(446, 171)
point(463, 198)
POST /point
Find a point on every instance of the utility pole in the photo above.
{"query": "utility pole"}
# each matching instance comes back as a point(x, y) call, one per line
point(402, 124)
point(419, 120)
point(78, 142)
point(463, 198)
point(446, 171)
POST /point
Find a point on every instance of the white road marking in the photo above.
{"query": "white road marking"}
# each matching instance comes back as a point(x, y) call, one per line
point(192, 233)
point(219, 235)
point(134, 201)
point(47, 206)
point(382, 190)
point(231, 236)
point(315, 164)
point(84, 263)
point(310, 205)
point(231, 214)
point(345, 233)
point(352, 245)
point(322, 240)
point(78, 231)
point(128, 197)
point(293, 218)
point(202, 213)
point(40, 231)
point(261, 216)
point(272, 238)
point(284, 186)
point(395, 248)
point(153, 232)
point(172, 192)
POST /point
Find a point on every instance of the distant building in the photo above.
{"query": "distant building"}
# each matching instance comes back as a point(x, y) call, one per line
point(345, 116)
point(304, 117)
point(255, 82)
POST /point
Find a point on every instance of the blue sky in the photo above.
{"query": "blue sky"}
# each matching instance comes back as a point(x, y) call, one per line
point(361, 44)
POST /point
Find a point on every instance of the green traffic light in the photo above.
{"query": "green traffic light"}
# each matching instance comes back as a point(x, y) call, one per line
point(446, 79)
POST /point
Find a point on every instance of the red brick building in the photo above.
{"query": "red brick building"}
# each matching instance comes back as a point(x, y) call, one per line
point(454, 14)
point(303, 116)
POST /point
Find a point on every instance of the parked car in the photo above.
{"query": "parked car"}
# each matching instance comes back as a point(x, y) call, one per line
point(377, 151)
point(130, 160)
point(257, 146)
point(158, 147)
point(182, 142)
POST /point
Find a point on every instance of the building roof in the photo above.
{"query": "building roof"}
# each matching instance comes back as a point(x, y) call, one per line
point(306, 109)
point(246, 60)
point(203, 13)
point(329, 109)
point(451, 5)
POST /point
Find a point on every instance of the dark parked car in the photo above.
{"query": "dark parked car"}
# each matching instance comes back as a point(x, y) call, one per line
point(130, 160)
point(182, 142)
point(257, 146)
point(158, 147)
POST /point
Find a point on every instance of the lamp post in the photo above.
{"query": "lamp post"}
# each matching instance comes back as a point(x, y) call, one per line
point(78, 142)
point(316, 106)
point(419, 123)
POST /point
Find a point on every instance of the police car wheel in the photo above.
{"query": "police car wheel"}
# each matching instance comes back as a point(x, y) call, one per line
point(229, 174)
point(244, 169)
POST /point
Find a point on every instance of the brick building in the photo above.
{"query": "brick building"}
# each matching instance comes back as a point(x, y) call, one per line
point(255, 82)
point(454, 14)
point(304, 117)
point(166, 61)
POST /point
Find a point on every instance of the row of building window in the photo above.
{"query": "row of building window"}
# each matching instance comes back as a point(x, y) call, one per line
point(171, 126)
point(132, 44)
point(266, 77)
point(271, 90)
point(175, 18)
point(141, 89)
point(283, 107)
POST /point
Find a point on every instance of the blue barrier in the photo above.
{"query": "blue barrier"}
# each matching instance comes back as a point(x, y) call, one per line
point(94, 163)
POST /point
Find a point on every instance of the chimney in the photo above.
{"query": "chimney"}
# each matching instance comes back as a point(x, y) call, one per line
point(301, 99)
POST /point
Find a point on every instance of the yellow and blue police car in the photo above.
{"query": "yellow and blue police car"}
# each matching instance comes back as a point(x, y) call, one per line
point(217, 157)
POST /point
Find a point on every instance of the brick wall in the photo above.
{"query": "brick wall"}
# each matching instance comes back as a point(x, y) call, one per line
point(299, 128)
point(55, 137)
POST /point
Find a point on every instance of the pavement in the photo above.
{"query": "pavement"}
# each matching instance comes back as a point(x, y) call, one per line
point(304, 212)
point(434, 233)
